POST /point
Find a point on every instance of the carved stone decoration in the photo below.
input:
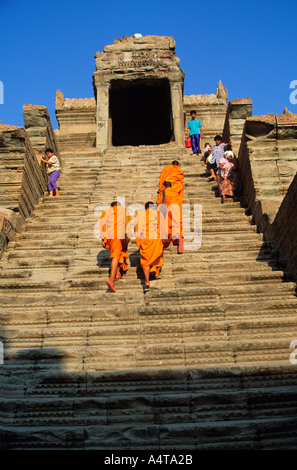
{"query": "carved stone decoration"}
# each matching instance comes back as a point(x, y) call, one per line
point(138, 73)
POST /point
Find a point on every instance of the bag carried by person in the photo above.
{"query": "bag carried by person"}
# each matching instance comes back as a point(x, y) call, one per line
point(188, 143)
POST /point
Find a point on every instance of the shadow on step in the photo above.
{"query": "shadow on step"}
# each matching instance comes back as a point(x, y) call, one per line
point(270, 257)
point(103, 261)
point(218, 408)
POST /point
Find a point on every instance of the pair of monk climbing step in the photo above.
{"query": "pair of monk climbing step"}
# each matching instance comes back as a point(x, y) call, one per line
point(157, 227)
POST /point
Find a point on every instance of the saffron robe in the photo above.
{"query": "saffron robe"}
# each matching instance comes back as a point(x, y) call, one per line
point(115, 231)
point(149, 228)
point(174, 196)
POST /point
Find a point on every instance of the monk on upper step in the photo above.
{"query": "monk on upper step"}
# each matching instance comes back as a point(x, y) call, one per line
point(172, 181)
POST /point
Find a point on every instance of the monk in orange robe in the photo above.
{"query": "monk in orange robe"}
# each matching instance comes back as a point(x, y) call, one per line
point(172, 181)
point(150, 225)
point(115, 235)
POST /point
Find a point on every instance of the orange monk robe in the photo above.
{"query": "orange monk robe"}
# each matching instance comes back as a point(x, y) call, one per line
point(149, 226)
point(174, 196)
point(115, 231)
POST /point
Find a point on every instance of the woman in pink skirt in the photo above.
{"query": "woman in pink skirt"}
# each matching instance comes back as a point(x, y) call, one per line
point(225, 180)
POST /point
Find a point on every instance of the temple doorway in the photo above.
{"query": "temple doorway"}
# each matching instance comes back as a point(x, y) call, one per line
point(140, 112)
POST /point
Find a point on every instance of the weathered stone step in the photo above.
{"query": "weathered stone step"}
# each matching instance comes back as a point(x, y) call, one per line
point(209, 310)
point(14, 274)
point(227, 352)
point(217, 309)
point(48, 204)
point(193, 294)
point(231, 407)
point(209, 221)
point(222, 265)
point(231, 404)
point(250, 403)
point(86, 231)
point(87, 259)
point(90, 246)
point(87, 244)
point(92, 273)
point(43, 215)
point(132, 283)
point(37, 266)
point(178, 267)
point(173, 296)
point(84, 216)
point(178, 435)
point(85, 238)
point(169, 333)
point(39, 382)
point(70, 298)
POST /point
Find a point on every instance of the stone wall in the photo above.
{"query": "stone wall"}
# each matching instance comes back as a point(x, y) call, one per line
point(267, 162)
point(22, 181)
point(282, 231)
point(268, 181)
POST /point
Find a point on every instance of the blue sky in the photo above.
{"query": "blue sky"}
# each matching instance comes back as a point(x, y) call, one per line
point(48, 45)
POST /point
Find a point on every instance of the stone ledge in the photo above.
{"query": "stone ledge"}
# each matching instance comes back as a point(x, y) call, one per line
point(131, 43)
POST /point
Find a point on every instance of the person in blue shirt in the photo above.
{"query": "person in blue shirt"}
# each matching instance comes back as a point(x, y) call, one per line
point(195, 132)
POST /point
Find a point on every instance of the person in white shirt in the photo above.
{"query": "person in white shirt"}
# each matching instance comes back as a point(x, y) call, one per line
point(53, 171)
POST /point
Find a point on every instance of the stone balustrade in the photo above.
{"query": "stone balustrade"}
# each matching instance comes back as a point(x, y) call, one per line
point(282, 230)
point(22, 181)
point(39, 129)
point(267, 177)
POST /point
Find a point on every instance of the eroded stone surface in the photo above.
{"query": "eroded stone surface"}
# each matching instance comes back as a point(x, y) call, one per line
point(22, 180)
point(142, 61)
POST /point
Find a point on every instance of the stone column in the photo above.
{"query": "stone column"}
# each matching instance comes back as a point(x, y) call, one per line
point(102, 135)
point(177, 112)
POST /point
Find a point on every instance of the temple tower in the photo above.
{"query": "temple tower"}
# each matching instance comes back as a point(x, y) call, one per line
point(139, 86)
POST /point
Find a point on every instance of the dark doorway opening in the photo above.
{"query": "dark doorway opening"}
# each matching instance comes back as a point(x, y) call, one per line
point(140, 112)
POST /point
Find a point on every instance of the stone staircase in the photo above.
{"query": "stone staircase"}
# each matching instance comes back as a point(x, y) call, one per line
point(199, 362)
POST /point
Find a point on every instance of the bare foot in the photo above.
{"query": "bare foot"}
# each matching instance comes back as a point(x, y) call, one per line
point(110, 286)
point(147, 287)
point(181, 245)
